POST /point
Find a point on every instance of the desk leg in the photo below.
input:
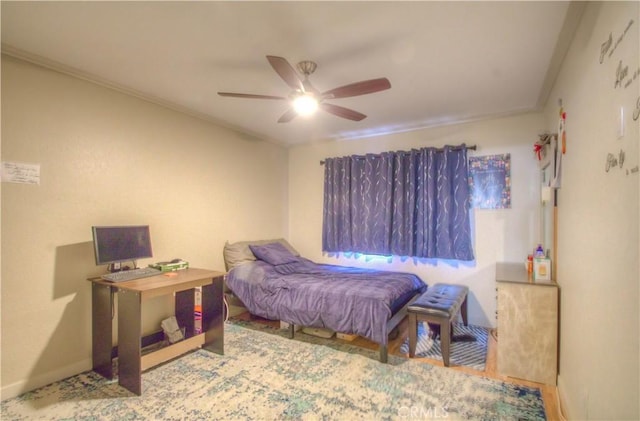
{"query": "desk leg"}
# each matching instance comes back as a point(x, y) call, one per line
point(101, 329)
point(129, 347)
point(213, 316)
point(185, 306)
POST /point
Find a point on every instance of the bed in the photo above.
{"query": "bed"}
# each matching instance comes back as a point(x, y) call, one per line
point(274, 282)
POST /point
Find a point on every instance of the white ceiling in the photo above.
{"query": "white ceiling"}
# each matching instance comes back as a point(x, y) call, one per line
point(447, 61)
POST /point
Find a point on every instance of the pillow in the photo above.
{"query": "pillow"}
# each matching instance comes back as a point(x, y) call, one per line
point(239, 252)
point(273, 253)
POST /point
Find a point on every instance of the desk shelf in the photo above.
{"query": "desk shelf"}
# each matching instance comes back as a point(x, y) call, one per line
point(168, 352)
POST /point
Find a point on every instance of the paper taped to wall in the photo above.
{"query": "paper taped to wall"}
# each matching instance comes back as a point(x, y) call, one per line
point(18, 172)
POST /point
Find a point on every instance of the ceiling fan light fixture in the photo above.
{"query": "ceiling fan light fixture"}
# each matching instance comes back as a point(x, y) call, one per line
point(305, 105)
point(304, 99)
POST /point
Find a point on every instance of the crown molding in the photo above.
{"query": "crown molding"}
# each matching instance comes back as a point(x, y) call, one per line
point(92, 78)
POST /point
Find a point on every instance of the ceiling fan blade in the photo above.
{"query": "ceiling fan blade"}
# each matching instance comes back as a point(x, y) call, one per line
point(286, 72)
point(289, 115)
point(236, 95)
point(358, 88)
point(342, 112)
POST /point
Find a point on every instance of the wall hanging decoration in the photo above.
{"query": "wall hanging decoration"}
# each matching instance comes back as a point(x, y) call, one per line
point(558, 151)
point(542, 148)
point(562, 134)
point(490, 181)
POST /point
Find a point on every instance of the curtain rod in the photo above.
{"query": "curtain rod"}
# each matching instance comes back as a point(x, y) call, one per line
point(455, 148)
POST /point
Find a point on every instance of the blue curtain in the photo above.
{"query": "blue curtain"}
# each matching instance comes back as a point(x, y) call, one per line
point(413, 203)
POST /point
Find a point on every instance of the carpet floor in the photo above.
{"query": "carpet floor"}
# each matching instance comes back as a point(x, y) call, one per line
point(265, 376)
point(468, 345)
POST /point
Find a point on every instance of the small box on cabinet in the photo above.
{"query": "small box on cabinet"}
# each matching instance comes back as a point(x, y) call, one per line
point(541, 269)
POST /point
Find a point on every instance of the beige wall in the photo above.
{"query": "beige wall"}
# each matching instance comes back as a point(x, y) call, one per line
point(500, 235)
point(109, 158)
point(598, 220)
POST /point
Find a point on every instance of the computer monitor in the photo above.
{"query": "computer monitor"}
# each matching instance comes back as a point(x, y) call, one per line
point(121, 243)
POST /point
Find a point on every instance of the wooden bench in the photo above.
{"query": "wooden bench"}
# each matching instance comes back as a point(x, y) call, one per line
point(438, 306)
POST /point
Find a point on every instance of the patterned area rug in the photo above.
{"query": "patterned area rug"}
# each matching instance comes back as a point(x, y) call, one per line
point(468, 346)
point(264, 376)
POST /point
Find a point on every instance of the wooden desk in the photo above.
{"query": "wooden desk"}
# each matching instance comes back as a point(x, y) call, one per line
point(131, 295)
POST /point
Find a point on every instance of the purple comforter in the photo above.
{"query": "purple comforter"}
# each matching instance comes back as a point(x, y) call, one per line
point(345, 299)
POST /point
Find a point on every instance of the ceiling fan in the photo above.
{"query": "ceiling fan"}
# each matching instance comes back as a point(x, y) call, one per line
point(305, 99)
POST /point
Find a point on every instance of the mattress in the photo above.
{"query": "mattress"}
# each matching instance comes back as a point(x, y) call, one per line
point(345, 299)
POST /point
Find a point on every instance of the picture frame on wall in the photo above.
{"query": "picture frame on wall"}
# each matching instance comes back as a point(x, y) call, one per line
point(490, 181)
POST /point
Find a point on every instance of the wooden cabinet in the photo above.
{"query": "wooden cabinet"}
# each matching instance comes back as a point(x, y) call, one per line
point(527, 325)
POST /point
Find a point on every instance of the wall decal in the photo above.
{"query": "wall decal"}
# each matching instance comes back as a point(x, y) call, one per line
point(633, 77)
point(627, 73)
point(621, 74)
point(612, 161)
point(606, 46)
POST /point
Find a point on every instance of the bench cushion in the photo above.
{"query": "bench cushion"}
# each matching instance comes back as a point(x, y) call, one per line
point(440, 300)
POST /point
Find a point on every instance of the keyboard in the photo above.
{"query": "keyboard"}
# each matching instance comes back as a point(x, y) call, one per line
point(130, 275)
